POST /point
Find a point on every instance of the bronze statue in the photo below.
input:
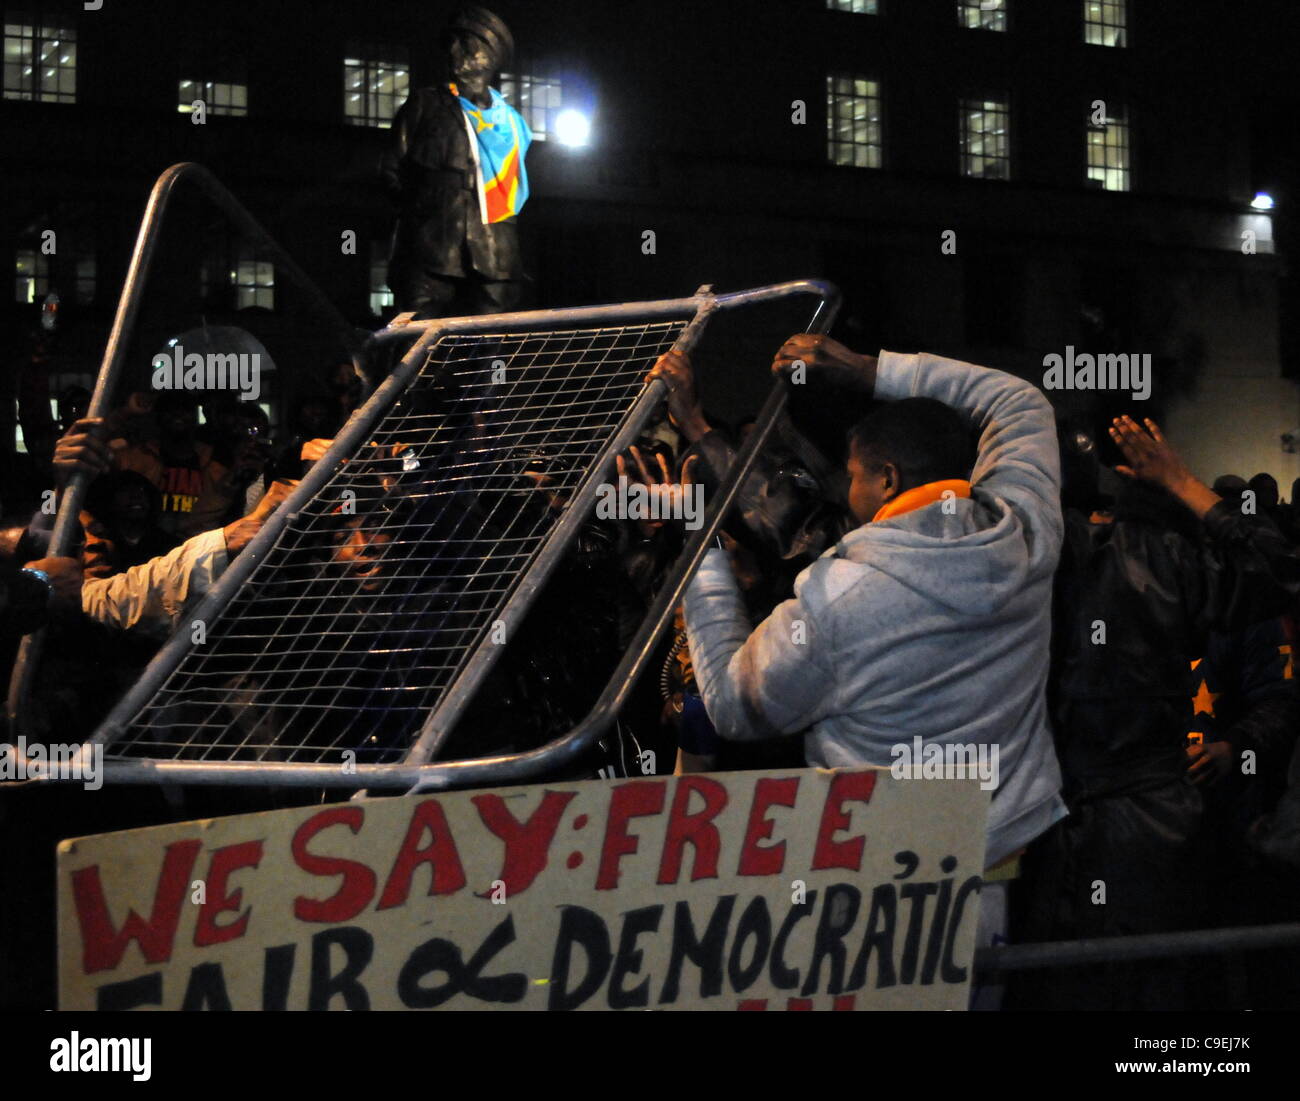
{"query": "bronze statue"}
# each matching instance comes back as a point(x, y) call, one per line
point(455, 170)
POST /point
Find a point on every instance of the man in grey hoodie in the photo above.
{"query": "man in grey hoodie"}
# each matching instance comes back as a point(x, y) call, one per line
point(933, 618)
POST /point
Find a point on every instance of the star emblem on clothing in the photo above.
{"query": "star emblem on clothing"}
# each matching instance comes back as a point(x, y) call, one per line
point(480, 123)
point(1203, 701)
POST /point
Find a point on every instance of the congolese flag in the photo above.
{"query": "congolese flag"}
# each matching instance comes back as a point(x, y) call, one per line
point(499, 140)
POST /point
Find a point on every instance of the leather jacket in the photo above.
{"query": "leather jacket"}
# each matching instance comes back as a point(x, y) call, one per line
point(1159, 582)
point(428, 172)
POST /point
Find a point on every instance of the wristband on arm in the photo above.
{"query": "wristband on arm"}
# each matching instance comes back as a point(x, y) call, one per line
point(696, 733)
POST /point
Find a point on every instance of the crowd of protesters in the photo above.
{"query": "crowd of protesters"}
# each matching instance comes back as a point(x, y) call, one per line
point(1068, 592)
point(178, 484)
point(920, 550)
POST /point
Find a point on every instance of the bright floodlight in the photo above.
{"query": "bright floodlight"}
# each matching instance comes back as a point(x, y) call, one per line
point(572, 128)
point(1262, 201)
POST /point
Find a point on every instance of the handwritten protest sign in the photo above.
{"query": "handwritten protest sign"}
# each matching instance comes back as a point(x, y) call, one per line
point(795, 889)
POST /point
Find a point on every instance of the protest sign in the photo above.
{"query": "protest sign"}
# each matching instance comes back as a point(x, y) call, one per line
point(793, 889)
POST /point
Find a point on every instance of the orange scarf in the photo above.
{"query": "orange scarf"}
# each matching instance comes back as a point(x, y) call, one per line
point(920, 496)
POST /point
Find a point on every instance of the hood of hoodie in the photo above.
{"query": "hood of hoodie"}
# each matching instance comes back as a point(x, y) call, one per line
point(971, 557)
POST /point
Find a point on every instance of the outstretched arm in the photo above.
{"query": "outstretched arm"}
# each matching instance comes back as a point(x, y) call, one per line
point(1152, 458)
point(1248, 571)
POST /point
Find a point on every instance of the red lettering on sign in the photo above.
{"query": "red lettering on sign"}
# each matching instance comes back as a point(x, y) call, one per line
point(358, 886)
point(102, 947)
point(224, 861)
point(846, 787)
point(528, 843)
point(695, 829)
point(627, 801)
point(756, 859)
point(448, 875)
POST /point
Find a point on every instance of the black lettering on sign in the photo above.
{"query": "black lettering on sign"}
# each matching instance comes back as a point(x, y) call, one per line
point(628, 960)
point(784, 977)
point(358, 949)
point(934, 945)
point(755, 922)
point(114, 997)
point(950, 971)
point(275, 977)
point(206, 989)
point(581, 927)
point(917, 893)
point(878, 938)
point(442, 956)
point(839, 912)
point(705, 952)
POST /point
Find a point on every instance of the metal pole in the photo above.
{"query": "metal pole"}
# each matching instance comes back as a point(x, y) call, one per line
point(657, 619)
point(1149, 946)
point(67, 522)
point(438, 726)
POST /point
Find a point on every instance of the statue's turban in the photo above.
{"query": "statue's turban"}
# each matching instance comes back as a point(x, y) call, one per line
point(488, 28)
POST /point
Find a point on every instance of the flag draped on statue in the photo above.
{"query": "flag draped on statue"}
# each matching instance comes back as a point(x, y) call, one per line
point(499, 140)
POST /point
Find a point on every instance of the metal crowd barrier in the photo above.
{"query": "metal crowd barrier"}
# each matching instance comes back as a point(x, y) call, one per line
point(315, 668)
point(1148, 946)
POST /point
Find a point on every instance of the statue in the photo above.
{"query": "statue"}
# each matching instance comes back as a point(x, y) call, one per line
point(455, 171)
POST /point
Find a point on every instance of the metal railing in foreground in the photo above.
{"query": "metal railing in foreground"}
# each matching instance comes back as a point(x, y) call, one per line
point(1149, 946)
point(67, 522)
point(343, 644)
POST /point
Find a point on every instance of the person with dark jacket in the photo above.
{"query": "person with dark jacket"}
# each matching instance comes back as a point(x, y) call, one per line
point(1265, 489)
point(1137, 593)
point(1247, 718)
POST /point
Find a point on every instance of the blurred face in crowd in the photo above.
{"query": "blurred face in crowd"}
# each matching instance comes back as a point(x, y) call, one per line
point(73, 407)
point(347, 384)
point(1265, 487)
point(131, 504)
point(871, 486)
point(141, 402)
point(177, 419)
point(314, 419)
point(361, 553)
point(251, 422)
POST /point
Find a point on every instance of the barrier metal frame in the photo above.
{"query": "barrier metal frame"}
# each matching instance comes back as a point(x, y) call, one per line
point(67, 520)
point(418, 771)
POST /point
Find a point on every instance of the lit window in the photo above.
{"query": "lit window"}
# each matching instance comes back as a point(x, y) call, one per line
point(536, 98)
point(1105, 22)
point(853, 121)
point(374, 88)
point(855, 7)
point(31, 276)
point(380, 296)
point(84, 291)
point(1108, 149)
point(219, 99)
point(986, 139)
point(40, 62)
point(982, 15)
point(254, 282)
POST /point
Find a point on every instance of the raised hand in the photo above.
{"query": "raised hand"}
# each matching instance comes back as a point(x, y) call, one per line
point(82, 447)
point(684, 409)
